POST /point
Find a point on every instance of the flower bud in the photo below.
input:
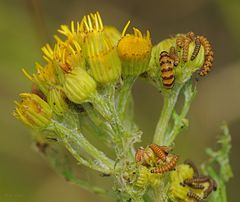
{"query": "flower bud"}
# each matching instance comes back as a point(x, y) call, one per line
point(44, 78)
point(78, 85)
point(56, 100)
point(113, 34)
point(68, 55)
point(33, 111)
point(99, 50)
point(134, 51)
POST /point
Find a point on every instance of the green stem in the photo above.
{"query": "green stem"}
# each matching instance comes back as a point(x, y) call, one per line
point(124, 94)
point(77, 156)
point(86, 185)
point(169, 102)
point(56, 155)
point(105, 105)
point(189, 94)
point(99, 122)
point(101, 106)
point(69, 135)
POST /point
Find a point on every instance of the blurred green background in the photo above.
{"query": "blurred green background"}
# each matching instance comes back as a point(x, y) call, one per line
point(26, 25)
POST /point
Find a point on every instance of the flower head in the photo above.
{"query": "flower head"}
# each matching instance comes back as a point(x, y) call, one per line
point(99, 50)
point(66, 54)
point(33, 111)
point(134, 51)
point(44, 78)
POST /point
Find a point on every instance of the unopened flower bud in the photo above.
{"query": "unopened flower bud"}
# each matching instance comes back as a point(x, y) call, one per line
point(134, 51)
point(33, 111)
point(78, 85)
point(56, 100)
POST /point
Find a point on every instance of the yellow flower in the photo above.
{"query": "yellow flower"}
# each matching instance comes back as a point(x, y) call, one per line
point(99, 50)
point(71, 33)
point(134, 51)
point(33, 111)
point(66, 54)
point(44, 78)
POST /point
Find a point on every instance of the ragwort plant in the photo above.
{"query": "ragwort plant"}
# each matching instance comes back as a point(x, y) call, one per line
point(84, 90)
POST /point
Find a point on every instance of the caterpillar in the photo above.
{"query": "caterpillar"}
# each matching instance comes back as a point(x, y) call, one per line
point(196, 48)
point(206, 44)
point(194, 186)
point(180, 41)
point(166, 167)
point(208, 62)
point(174, 56)
point(199, 179)
point(207, 65)
point(211, 187)
point(187, 41)
point(194, 196)
point(166, 149)
point(145, 157)
point(192, 165)
point(191, 35)
point(139, 156)
point(166, 64)
point(160, 153)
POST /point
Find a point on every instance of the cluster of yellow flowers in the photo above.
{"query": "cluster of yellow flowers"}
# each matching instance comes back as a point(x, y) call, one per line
point(90, 55)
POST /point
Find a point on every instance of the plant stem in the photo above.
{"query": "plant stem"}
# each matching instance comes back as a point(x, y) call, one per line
point(189, 94)
point(170, 99)
point(86, 185)
point(98, 121)
point(59, 160)
point(69, 135)
point(124, 94)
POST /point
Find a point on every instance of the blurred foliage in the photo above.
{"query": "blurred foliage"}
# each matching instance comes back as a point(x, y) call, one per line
point(220, 158)
point(26, 25)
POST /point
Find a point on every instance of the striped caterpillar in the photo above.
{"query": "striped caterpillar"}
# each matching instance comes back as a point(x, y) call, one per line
point(196, 48)
point(167, 166)
point(196, 181)
point(195, 197)
point(166, 64)
point(159, 151)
